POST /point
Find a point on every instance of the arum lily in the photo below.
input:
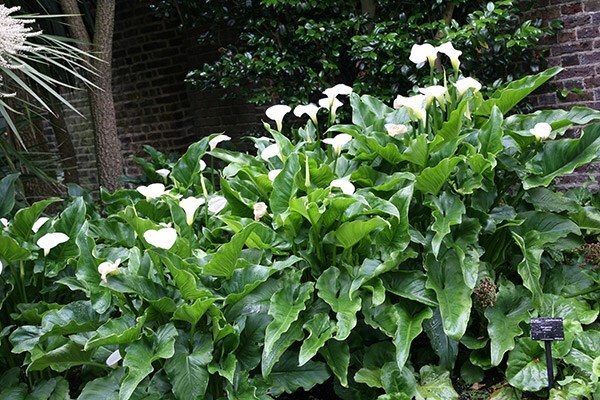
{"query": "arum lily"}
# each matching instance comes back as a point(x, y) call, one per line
point(276, 113)
point(152, 191)
point(338, 141)
point(339, 89)
point(163, 172)
point(108, 267)
point(51, 240)
point(217, 204)
point(260, 210)
point(4, 222)
point(1, 267)
point(541, 130)
point(434, 92)
point(113, 359)
point(212, 143)
point(202, 165)
point(396, 129)
point(273, 174)
point(38, 224)
point(162, 238)
point(190, 205)
point(464, 84)
point(332, 104)
point(414, 104)
point(310, 109)
point(452, 53)
point(419, 53)
point(344, 184)
point(270, 152)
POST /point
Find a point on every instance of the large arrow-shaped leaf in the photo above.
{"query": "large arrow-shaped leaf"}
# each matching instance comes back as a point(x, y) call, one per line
point(335, 290)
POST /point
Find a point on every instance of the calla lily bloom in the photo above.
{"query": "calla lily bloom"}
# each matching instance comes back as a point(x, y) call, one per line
point(4, 222)
point(338, 141)
point(217, 204)
point(38, 224)
point(332, 104)
point(163, 172)
point(339, 89)
point(541, 130)
point(452, 53)
point(260, 210)
point(162, 238)
point(202, 165)
point(462, 85)
point(114, 359)
point(277, 112)
point(212, 143)
point(396, 129)
point(344, 184)
point(310, 109)
point(270, 151)
point(434, 92)
point(273, 174)
point(51, 240)
point(108, 267)
point(419, 53)
point(190, 205)
point(1, 267)
point(414, 104)
point(152, 191)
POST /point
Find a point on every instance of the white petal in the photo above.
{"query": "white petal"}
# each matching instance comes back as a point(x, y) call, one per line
point(163, 172)
point(396, 129)
point(462, 85)
point(309, 109)
point(217, 204)
point(420, 53)
point(339, 89)
point(4, 222)
point(449, 50)
point(270, 151)
point(338, 140)
point(163, 238)
point(1, 267)
point(541, 130)
point(260, 210)
point(202, 165)
point(212, 143)
point(344, 184)
point(51, 240)
point(436, 91)
point(38, 224)
point(113, 359)
point(190, 205)
point(273, 174)
point(152, 191)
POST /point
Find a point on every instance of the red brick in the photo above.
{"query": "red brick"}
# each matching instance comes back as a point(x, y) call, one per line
point(572, 8)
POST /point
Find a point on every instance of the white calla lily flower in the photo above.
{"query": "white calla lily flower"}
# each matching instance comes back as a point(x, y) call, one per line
point(152, 191)
point(434, 92)
point(190, 205)
point(339, 89)
point(344, 184)
point(273, 174)
point(276, 113)
point(270, 152)
point(202, 165)
point(260, 210)
point(212, 143)
point(217, 204)
point(415, 105)
point(162, 238)
point(108, 267)
point(396, 129)
point(420, 53)
point(541, 130)
point(1, 267)
point(464, 84)
point(163, 172)
point(114, 359)
point(4, 222)
point(51, 240)
point(338, 141)
point(449, 50)
point(38, 224)
point(310, 109)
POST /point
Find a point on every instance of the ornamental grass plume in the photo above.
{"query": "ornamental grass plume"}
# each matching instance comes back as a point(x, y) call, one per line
point(13, 36)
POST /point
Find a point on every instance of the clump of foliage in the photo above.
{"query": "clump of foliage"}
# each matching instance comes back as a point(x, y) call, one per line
point(290, 50)
point(386, 255)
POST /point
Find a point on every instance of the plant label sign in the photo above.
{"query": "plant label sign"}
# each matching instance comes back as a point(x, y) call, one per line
point(547, 329)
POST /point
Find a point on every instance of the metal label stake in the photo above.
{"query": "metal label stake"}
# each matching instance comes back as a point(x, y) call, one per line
point(547, 330)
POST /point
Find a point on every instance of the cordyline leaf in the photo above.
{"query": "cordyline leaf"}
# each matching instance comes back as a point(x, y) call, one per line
point(524, 368)
point(561, 157)
point(510, 310)
point(320, 329)
point(448, 210)
point(225, 260)
point(140, 355)
point(453, 295)
point(335, 290)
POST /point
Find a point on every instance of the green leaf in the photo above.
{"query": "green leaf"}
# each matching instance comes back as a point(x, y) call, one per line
point(585, 350)
point(506, 393)
point(334, 288)
point(26, 217)
point(435, 384)
point(284, 185)
point(526, 369)
point(352, 232)
point(432, 179)
point(320, 329)
point(368, 111)
point(410, 285)
point(122, 330)
point(185, 280)
point(337, 356)
point(410, 325)
point(417, 151)
point(61, 358)
point(529, 269)
point(187, 169)
point(287, 376)
point(103, 388)
point(448, 210)
point(561, 157)
point(193, 312)
point(187, 371)
point(505, 316)
point(7, 194)
point(140, 355)
point(11, 251)
point(225, 260)
point(559, 119)
point(490, 135)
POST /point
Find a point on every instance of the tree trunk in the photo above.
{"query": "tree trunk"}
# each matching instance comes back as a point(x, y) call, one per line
point(66, 150)
point(109, 161)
